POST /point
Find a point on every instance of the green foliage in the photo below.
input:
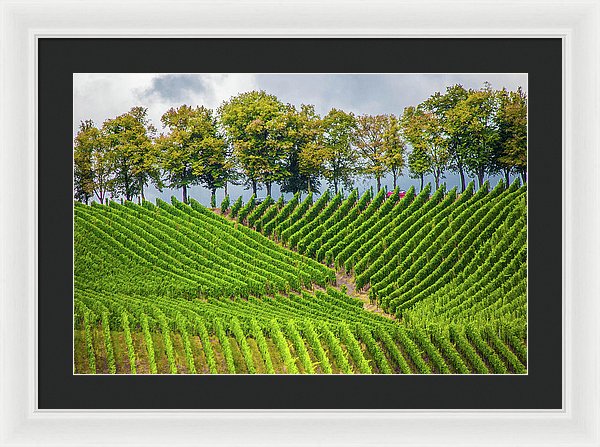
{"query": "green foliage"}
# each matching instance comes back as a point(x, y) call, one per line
point(110, 355)
point(133, 156)
point(303, 129)
point(129, 342)
point(475, 116)
point(299, 347)
point(93, 164)
point(510, 153)
point(247, 209)
point(423, 129)
point(166, 333)
point(89, 344)
point(371, 133)
point(240, 337)
point(283, 347)
point(347, 337)
point(225, 204)
point(258, 211)
point(256, 129)
point(193, 152)
point(394, 148)
point(182, 327)
point(149, 344)
point(258, 335)
point(335, 153)
point(202, 332)
point(237, 206)
point(225, 345)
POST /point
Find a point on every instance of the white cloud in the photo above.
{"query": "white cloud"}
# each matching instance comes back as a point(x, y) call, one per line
point(101, 96)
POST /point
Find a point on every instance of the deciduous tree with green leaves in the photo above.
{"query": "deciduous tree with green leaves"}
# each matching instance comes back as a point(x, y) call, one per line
point(254, 127)
point(336, 153)
point(92, 164)
point(82, 161)
point(129, 139)
point(303, 129)
point(476, 116)
point(419, 163)
point(370, 132)
point(444, 106)
point(394, 148)
point(511, 151)
point(423, 130)
point(193, 152)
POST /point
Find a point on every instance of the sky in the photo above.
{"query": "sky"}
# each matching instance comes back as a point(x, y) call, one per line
point(101, 96)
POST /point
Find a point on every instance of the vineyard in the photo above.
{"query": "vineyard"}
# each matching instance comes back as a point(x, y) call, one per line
point(427, 283)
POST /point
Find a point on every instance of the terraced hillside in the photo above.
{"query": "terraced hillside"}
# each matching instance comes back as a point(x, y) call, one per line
point(176, 288)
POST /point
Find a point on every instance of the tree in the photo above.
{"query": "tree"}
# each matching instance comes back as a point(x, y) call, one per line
point(444, 106)
point(129, 139)
point(370, 130)
point(335, 153)
point(511, 149)
point(82, 159)
point(419, 163)
point(193, 152)
point(423, 130)
point(303, 129)
point(254, 127)
point(477, 117)
point(93, 164)
point(394, 148)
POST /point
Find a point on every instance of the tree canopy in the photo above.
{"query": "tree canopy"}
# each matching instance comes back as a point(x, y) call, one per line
point(192, 152)
point(256, 129)
point(255, 139)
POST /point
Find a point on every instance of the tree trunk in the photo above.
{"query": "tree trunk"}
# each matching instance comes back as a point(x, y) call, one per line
point(422, 182)
point(462, 179)
point(395, 177)
point(480, 176)
point(185, 197)
point(378, 183)
point(524, 175)
point(507, 177)
point(335, 187)
point(268, 188)
point(225, 188)
point(213, 197)
point(254, 187)
point(127, 188)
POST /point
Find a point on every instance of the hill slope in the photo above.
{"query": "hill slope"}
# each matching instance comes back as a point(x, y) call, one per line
point(173, 288)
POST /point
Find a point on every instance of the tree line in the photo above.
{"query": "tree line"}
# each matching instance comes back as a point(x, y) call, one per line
point(256, 140)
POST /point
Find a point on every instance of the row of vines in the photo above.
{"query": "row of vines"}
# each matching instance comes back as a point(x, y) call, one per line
point(178, 288)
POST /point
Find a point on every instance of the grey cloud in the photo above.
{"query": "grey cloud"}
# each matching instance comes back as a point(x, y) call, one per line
point(176, 87)
point(374, 93)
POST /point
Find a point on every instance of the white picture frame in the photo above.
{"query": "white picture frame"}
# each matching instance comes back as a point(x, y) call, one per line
point(577, 24)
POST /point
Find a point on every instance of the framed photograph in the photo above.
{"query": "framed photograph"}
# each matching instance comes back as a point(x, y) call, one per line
point(228, 234)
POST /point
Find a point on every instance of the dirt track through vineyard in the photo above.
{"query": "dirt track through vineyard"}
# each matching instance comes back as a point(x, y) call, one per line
point(343, 279)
